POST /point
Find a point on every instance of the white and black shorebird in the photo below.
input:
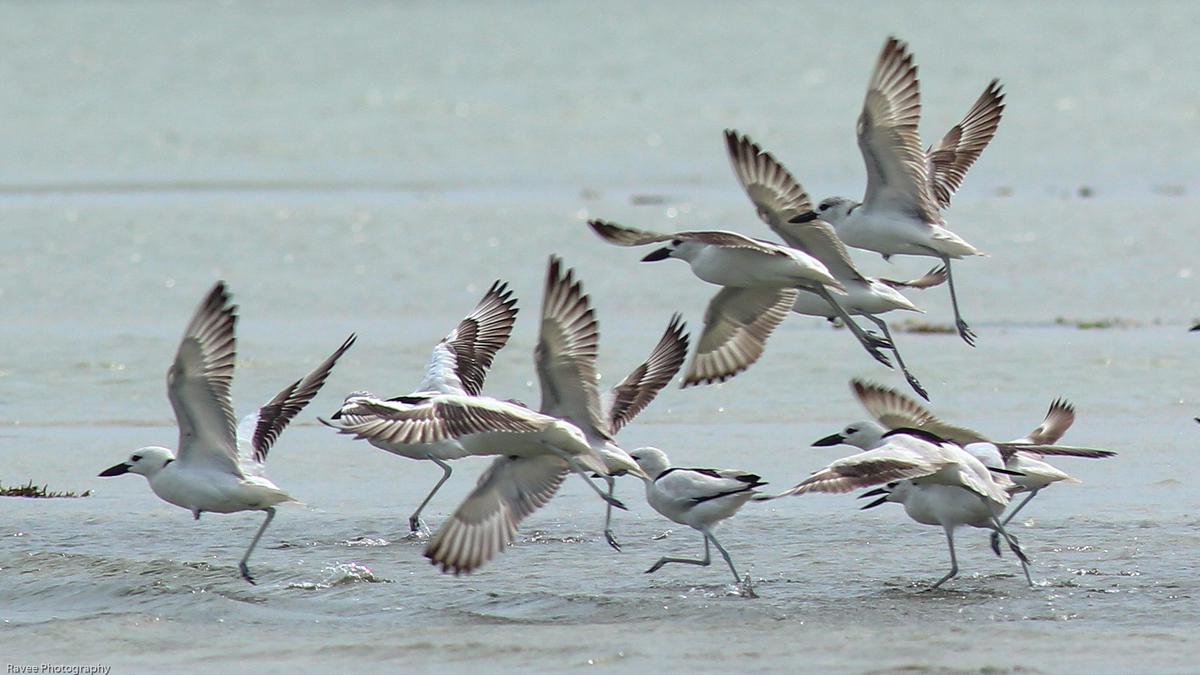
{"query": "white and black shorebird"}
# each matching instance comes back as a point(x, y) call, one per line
point(778, 197)
point(219, 465)
point(1022, 456)
point(759, 281)
point(458, 365)
point(900, 213)
point(513, 487)
point(698, 498)
point(938, 481)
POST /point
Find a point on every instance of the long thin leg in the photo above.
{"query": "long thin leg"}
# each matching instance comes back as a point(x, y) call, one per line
point(685, 561)
point(414, 521)
point(583, 473)
point(1020, 506)
point(953, 560)
point(1015, 547)
point(964, 331)
point(608, 533)
point(912, 380)
point(996, 535)
point(742, 584)
point(725, 554)
point(869, 342)
point(242, 567)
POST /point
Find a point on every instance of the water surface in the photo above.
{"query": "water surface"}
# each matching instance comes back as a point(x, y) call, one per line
point(374, 168)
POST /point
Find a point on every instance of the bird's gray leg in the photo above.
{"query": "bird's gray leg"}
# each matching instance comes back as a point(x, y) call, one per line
point(996, 535)
point(912, 380)
point(242, 567)
point(1019, 507)
point(575, 466)
point(964, 331)
point(1015, 547)
point(743, 585)
point(608, 533)
point(685, 561)
point(869, 342)
point(725, 554)
point(414, 521)
point(953, 560)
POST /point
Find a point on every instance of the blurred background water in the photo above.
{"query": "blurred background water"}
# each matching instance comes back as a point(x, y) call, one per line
point(373, 167)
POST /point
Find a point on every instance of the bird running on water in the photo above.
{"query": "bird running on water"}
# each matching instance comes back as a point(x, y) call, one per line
point(698, 498)
point(219, 465)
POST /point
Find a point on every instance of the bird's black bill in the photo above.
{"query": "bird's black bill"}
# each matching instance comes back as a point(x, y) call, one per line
point(807, 216)
point(875, 503)
point(1194, 328)
point(656, 255)
point(115, 470)
point(874, 493)
point(834, 439)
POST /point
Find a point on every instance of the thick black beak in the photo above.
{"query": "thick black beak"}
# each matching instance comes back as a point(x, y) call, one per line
point(805, 217)
point(834, 439)
point(874, 493)
point(877, 502)
point(115, 470)
point(660, 254)
point(1194, 328)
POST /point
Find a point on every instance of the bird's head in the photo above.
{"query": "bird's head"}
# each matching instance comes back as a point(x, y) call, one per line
point(146, 461)
point(676, 248)
point(865, 435)
point(652, 460)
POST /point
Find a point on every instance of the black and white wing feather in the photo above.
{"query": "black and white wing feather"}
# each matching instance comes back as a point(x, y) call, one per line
point(460, 362)
point(566, 351)
point(486, 522)
point(948, 161)
point(258, 431)
point(901, 458)
point(689, 487)
point(1059, 419)
point(933, 277)
point(894, 410)
point(631, 396)
point(621, 235)
point(737, 323)
point(434, 418)
point(198, 384)
point(889, 139)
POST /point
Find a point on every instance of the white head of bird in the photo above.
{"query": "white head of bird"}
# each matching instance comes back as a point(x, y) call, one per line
point(865, 435)
point(146, 461)
point(684, 249)
point(652, 460)
point(835, 210)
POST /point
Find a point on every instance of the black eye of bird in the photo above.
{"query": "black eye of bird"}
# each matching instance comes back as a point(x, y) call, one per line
point(851, 430)
point(136, 458)
point(676, 242)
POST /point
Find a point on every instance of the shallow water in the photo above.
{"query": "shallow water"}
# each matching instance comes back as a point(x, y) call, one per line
point(373, 169)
